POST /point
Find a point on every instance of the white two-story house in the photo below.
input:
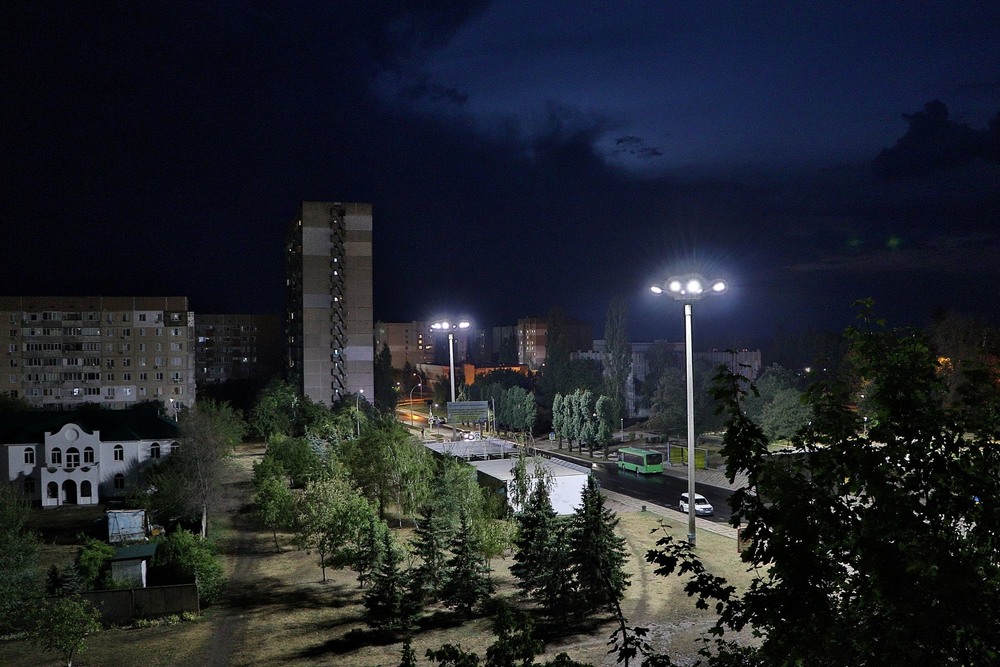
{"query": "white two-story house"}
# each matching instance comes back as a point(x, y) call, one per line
point(83, 457)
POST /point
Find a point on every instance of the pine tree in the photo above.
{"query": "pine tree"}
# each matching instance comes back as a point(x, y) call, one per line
point(535, 525)
point(598, 554)
point(408, 657)
point(368, 556)
point(557, 590)
point(387, 605)
point(429, 545)
point(467, 583)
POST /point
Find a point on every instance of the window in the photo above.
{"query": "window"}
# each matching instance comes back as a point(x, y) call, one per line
point(119, 482)
point(72, 457)
point(55, 456)
point(85, 489)
point(143, 377)
point(88, 454)
point(29, 455)
point(52, 490)
point(119, 453)
point(127, 377)
point(154, 450)
point(29, 485)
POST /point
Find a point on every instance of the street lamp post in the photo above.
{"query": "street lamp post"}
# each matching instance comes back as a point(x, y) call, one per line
point(451, 327)
point(357, 408)
point(411, 401)
point(688, 289)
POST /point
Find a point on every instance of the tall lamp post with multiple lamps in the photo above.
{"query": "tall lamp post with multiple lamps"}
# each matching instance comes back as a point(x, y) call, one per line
point(688, 289)
point(451, 328)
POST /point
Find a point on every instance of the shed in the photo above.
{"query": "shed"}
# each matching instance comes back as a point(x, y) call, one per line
point(568, 480)
point(129, 564)
point(125, 526)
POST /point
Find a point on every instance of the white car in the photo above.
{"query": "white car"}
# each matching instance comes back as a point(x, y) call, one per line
point(701, 505)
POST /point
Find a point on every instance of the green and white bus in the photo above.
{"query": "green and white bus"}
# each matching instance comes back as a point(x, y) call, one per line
point(640, 460)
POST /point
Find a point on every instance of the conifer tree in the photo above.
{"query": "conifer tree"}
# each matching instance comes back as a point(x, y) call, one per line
point(535, 527)
point(429, 545)
point(467, 583)
point(598, 554)
point(557, 590)
point(408, 657)
point(368, 556)
point(387, 605)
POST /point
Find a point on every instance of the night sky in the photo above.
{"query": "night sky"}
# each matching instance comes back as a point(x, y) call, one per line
point(519, 156)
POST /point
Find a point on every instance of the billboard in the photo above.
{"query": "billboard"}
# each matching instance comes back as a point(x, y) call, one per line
point(467, 411)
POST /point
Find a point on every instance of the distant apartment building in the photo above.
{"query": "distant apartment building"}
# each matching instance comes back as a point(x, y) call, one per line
point(238, 347)
point(329, 321)
point(63, 352)
point(532, 339)
point(408, 342)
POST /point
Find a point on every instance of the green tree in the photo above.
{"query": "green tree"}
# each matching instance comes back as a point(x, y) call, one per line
point(330, 517)
point(387, 605)
point(785, 415)
point(369, 552)
point(668, 406)
point(877, 543)
point(429, 545)
point(183, 555)
point(18, 559)
point(598, 554)
point(618, 357)
point(558, 417)
point(556, 588)
point(467, 583)
point(93, 563)
point(274, 507)
point(606, 416)
point(296, 457)
point(276, 411)
point(63, 624)
point(386, 464)
point(536, 523)
point(385, 389)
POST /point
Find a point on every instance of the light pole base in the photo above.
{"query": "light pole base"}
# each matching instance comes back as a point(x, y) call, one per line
point(691, 539)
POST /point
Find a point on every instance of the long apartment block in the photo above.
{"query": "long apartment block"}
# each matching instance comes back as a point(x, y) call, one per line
point(63, 352)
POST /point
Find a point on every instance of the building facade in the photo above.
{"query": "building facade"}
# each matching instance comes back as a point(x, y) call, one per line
point(408, 342)
point(533, 335)
point(238, 347)
point(84, 457)
point(329, 321)
point(62, 352)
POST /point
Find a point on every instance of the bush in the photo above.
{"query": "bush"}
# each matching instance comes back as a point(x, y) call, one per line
point(183, 554)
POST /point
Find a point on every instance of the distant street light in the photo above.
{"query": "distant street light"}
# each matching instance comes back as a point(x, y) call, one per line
point(451, 327)
point(357, 407)
point(411, 402)
point(688, 289)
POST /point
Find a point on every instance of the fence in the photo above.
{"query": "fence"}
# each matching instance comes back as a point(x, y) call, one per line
point(122, 606)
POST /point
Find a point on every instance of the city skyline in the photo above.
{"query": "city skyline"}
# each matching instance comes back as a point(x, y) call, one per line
point(518, 158)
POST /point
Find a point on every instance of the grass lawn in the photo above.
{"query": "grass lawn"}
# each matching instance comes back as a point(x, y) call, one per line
point(279, 612)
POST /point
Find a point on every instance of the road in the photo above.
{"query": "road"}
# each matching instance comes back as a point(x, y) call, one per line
point(662, 489)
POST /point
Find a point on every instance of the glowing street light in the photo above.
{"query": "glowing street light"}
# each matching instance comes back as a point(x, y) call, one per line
point(411, 401)
point(451, 328)
point(688, 289)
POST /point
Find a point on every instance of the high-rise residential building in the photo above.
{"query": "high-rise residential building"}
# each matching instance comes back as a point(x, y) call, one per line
point(329, 322)
point(238, 347)
point(532, 339)
point(62, 352)
point(408, 342)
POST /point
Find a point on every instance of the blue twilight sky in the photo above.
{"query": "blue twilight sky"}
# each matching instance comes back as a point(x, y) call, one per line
point(520, 156)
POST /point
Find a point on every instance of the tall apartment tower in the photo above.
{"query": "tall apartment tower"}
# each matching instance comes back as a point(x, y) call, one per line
point(329, 288)
point(63, 352)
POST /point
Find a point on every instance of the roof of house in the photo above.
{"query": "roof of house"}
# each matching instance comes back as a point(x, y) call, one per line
point(135, 552)
point(114, 425)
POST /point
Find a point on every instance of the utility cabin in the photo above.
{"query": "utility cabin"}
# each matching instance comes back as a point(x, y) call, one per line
point(568, 480)
point(129, 564)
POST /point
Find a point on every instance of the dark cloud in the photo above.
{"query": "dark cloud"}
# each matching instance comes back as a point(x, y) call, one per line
point(933, 142)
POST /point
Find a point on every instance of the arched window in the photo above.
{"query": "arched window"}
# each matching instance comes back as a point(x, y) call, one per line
point(84, 489)
point(29, 455)
point(175, 447)
point(55, 458)
point(72, 457)
point(88, 454)
point(119, 453)
point(119, 481)
point(29, 485)
point(53, 490)
point(154, 450)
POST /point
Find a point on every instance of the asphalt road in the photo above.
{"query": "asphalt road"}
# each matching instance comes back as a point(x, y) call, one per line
point(662, 490)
